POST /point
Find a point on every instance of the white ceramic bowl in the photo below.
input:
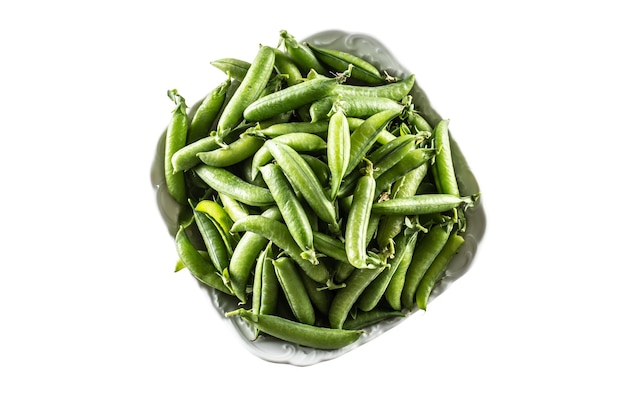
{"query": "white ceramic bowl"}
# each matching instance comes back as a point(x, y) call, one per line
point(274, 350)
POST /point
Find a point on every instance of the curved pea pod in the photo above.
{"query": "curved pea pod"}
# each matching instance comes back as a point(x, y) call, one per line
point(298, 141)
point(304, 180)
point(224, 181)
point(218, 248)
point(293, 214)
point(294, 289)
point(234, 67)
point(340, 61)
point(423, 204)
point(277, 233)
point(299, 333)
point(244, 256)
point(436, 271)
point(301, 54)
point(347, 296)
point(424, 253)
point(412, 160)
point(207, 112)
point(199, 267)
point(248, 91)
point(221, 218)
point(187, 157)
point(233, 153)
point(175, 139)
point(365, 135)
point(289, 99)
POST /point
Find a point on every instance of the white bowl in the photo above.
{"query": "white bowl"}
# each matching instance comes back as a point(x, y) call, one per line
point(272, 349)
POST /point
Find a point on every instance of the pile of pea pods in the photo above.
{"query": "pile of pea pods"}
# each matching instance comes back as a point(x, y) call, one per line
point(314, 193)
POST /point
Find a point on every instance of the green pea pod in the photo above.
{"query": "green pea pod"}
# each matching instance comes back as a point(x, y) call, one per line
point(293, 287)
point(376, 290)
point(298, 141)
point(245, 254)
point(301, 54)
point(382, 138)
point(340, 61)
point(359, 107)
point(175, 139)
point(418, 122)
point(279, 129)
point(216, 246)
point(424, 254)
point(199, 267)
point(304, 180)
point(365, 135)
point(299, 333)
point(347, 296)
point(221, 218)
point(338, 148)
point(207, 112)
point(394, 90)
point(320, 296)
point(278, 234)
point(233, 153)
point(224, 181)
point(436, 271)
point(394, 288)
point(287, 67)
point(412, 160)
point(288, 99)
point(249, 90)
point(232, 207)
point(234, 67)
point(293, 214)
point(391, 225)
point(358, 221)
point(443, 168)
point(422, 204)
point(270, 286)
point(187, 157)
point(319, 167)
point(365, 319)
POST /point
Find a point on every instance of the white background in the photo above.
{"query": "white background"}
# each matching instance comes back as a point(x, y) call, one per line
point(93, 322)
